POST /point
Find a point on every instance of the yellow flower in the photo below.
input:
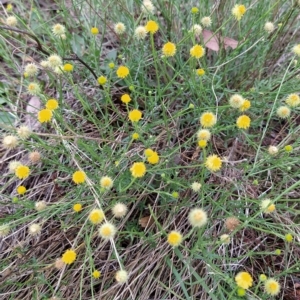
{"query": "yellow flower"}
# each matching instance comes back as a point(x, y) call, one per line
point(245, 106)
point(148, 152)
point(33, 88)
point(111, 65)
point(106, 182)
point(135, 136)
point(77, 207)
point(69, 257)
point(267, 206)
point(135, 115)
point(213, 163)
point(200, 72)
point(243, 280)
point(107, 231)
point(79, 177)
point(52, 104)
point(263, 277)
point(154, 158)
point(292, 100)
point(272, 287)
point(68, 67)
point(45, 115)
point(9, 7)
point(125, 98)
point(288, 148)
point(241, 292)
point(151, 26)
point(138, 169)
point(288, 237)
point(203, 134)
point(238, 11)
point(194, 10)
point(169, 49)
point(202, 143)
point(243, 122)
point(94, 30)
point(174, 238)
point(197, 51)
point(283, 112)
point(122, 72)
point(208, 119)
point(197, 217)
point(21, 190)
point(22, 172)
point(96, 274)
point(102, 80)
point(175, 195)
point(296, 49)
point(96, 216)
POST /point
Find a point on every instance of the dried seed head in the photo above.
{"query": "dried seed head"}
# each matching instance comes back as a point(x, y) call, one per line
point(232, 223)
point(34, 157)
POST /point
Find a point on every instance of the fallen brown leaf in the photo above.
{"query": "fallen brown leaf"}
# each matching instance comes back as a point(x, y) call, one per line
point(212, 41)
point(146, 221)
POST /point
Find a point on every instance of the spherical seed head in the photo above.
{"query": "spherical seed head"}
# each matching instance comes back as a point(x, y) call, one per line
point(203, 134)
point(45, 64)
point(40, 205)
point(151, 27)
point(125, 98)
point(31, 69)
point(196, 186)
point(225, 238)
point(59, 264)
point(58, 29)
point(59, 70)
point(119, 28)
point(153, 159)
point(33, 88)
point(208, 119)
point(11, 21)
point(69, 257)
point(196, 29)
point(283, 112)
point(135, 115)
point(272, 287)
point(273, 150)
point(10, 142)
point(94, 30)
point(293, 100)
point(24, 132)
point(79, 177)
point(236, 101)
point(106, 182)
point(138, 169)
point(174, 238)
point(206, 21)
point(243, 122)
point(121, 276)
point(22, 172)
point(267, 206)
point(54, 61)
point(231, 223)
point(169, 49)
point(107, 231)
point(45, 115)
point(147, 7)
point(269, 27)
point(197, 51)
point(197, 217)
point(4, 230)
point(213, 163)
point(296, 49)
point(52, 104)
point(34, 229)
point(13, 165)
point(122, 72)
point(238, 11)
point(119, 210)
point(244, 280)
point(34, 157)
point(140, 33)
point(96, 216)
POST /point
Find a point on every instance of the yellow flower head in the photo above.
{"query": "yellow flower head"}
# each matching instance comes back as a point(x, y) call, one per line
point(197, 217)
point(245, 106)
point(208, 119)
point(267, 206)
point(288, 148)
point(194, 10)
point(263, 277)
point(45, 115)
point(77, 207)
point(21, 190)
point(241, 292)
point(102, 80)
point(68, 67)
point(96, 274)
point(169, 49)
point(293, 100)
point(135, 136)
point(122, 72)
point(244, 280)
point(148, 152)
point(94, 30)
point(200, 72)
point(135, 115)
point(22, 172)
point(96, 216)
point(52, 104)
point(9, 7)
point(174, 238)
point(272, 287)
point(138, 169)
point(107, 231)
point(238, 11)
point(197, 51)
point(79, 177)
point(243, 122)
point(33, 88)
point(151, 27)
point(125, 98)
point(111, 65)
point(69, 257)
point(288, 237)
point(283, 112)
point(202, 143)
point(213, 163)
point(154, 158)
point(296, 49)
point(106, 182)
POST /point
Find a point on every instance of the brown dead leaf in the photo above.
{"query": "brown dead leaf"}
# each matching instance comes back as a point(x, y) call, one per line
point(146, 221)
point(212, 41)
